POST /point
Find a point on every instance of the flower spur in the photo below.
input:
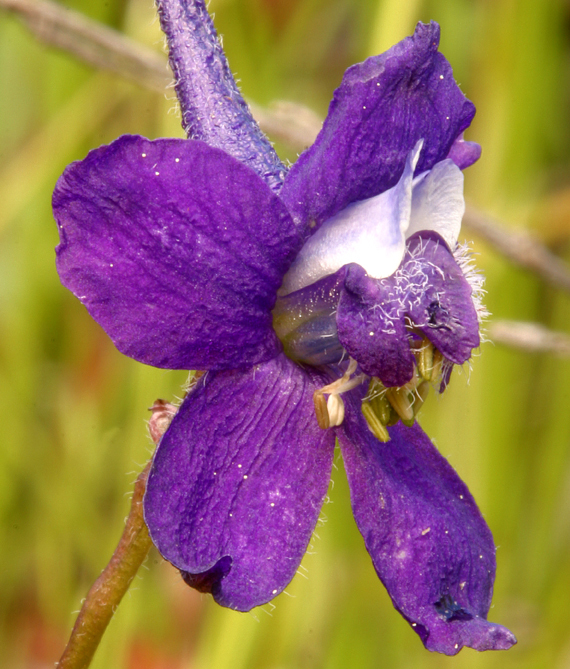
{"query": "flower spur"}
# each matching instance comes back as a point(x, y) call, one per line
point(291, 287)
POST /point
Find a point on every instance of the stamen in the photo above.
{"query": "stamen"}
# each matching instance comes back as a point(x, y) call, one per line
point(376, 426)
point(321, 410)
point(335, 408)
point(400, 399)
point(424, 359)
point(331, 412)
point(437, 365)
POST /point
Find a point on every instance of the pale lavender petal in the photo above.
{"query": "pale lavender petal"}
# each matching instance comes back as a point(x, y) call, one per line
point(238, 481)
point(437, 202)
point(370, 233)
point(213, 109)
point(427, 539)
point(176, 249)
point(382, 108)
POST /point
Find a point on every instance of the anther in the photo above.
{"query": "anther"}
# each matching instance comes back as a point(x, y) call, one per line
point(330, 413)
point(335, 408)
point(400, 400)
point(376, 426)
point(424, 359)
point(437, 365)
point(321, 410)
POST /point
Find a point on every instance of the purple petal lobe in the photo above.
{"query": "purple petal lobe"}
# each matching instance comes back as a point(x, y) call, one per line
point(238, 481)
point(428, 292)
point(213, 109)
point(464, 153)
point(439, 297)
point(381, 109)
point(428, 541)
point(371, 328)
point(176, 249)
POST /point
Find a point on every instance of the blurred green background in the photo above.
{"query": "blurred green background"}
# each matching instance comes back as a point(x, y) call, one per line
point(73, 410)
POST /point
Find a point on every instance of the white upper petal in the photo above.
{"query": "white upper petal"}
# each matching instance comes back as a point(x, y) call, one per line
point(438, 203)
point(370, 233)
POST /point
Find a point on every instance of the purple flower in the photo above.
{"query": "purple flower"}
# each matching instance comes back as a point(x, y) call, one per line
point(322, 301)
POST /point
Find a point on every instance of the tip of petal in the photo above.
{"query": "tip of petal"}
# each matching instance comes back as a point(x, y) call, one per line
point(449, 637)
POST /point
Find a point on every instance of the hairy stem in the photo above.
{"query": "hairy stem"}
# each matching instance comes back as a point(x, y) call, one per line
point(108, 590)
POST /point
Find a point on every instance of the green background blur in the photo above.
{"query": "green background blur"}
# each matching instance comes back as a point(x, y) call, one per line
point(73, 410)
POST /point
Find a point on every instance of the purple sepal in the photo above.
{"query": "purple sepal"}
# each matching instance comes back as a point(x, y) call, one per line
point(176, 249)
point(428, 541)
point(381, 109)
point(464, 153)
point(238, 480)
point(372, 329)
point(439, 303)
point(213, 109)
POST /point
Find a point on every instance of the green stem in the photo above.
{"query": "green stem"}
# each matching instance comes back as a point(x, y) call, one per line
point(108, 590)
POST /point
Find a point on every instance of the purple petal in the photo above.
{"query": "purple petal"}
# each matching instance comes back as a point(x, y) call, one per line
point(213, 109)
point(464, 153)
point(238, 481)
point(428, 541)
point(371, 328)
point(176, 249)
point(382, 108)
point(440, 302)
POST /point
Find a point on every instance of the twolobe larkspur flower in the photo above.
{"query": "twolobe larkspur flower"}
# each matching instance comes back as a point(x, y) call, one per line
point(322, 300)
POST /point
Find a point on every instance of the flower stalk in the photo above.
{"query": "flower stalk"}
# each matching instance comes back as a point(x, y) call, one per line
point(108, 590)
point(106, 593)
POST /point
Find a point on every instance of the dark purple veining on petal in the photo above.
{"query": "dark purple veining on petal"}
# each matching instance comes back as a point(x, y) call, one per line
point(213, 109)
point(428, 541)
point(238, 480)
point(176, 249)
point(381, 109)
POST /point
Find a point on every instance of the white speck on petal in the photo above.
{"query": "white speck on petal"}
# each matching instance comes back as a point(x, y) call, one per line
point(274, 592)
point(371, 334)
point(157, 173)
point(272, 504)
point(143, 155)
point(245, 476)
point(441, 76)
point(177, 160)
point(424, 532)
